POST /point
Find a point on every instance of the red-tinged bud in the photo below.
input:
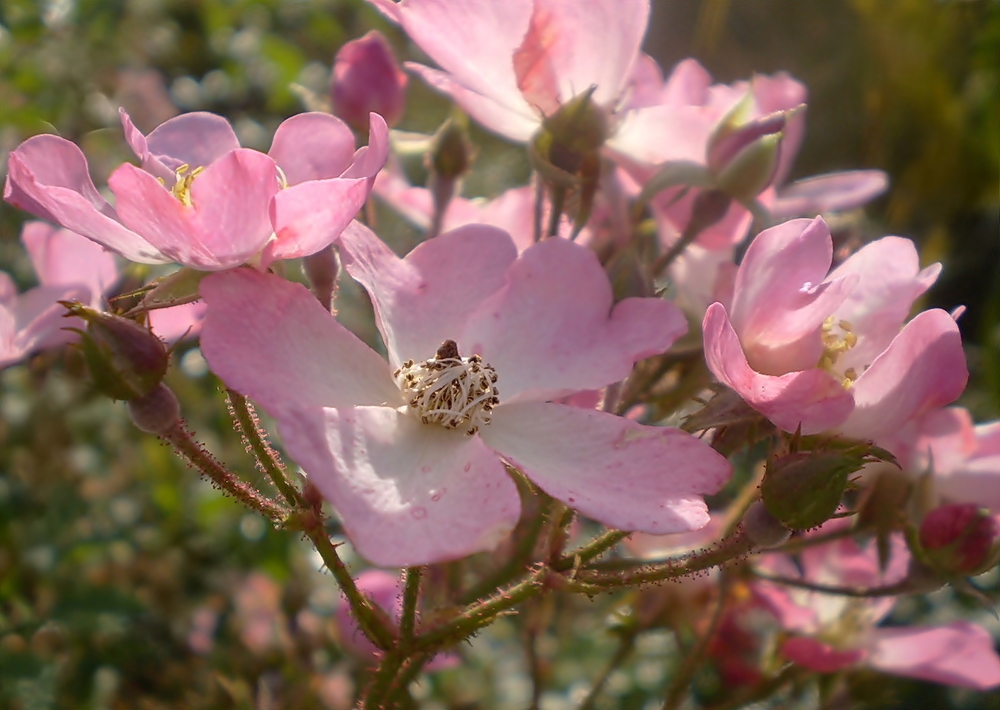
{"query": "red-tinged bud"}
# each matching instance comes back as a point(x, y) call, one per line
point(762, 528)
point(367, 78)
point(803, 489)
point(958, 538)
point(156, 413)
point(126, 360)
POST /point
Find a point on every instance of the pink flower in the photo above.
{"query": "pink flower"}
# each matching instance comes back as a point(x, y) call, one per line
point(964, 457)
point(410, 452)
point(829, 351)
point(830, 632)
point(510, 63)
point(69, 268)
point(367, 79)
point(201, 200)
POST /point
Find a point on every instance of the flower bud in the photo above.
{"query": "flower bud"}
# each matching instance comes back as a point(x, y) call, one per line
point(802, 490)
point(742, 154)
point(763, 529)
point(577, 130)
point(157, 412)
point(367, 78)
point(958, 538)
point(126, 360)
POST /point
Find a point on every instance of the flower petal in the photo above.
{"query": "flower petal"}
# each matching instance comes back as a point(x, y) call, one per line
point(195, 139)
point(960, 654)
point(923, 368)
point(49, 177)
point(811, 399)
point(312, 146)
point(426, 298)
point(64, 258)
point(830, 192)
point(818, 656)
point(781, 297)
point(272, 340)
point(553, 328)
point(408, 493)
point(623, 474)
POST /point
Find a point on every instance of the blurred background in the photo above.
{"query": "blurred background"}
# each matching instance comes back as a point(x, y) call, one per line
point(126, 582)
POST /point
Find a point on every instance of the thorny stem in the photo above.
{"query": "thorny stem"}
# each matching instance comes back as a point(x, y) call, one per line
point(595, 548)
point(199, 457)
point(592, 580)
point(411, 593)
point(797, 544)
point(253, 437)
point(681, 682)
point(392, 679)
point(890, 590)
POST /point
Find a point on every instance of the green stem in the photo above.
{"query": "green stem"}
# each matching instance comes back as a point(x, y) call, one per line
point(626, 642)
point(411, 593)
point(890, 590)
point(199, 457)
point(400, 685)
point(728, 549)
point(381, 685)
point(267, 459)
point(797, 544)
point(595, 548)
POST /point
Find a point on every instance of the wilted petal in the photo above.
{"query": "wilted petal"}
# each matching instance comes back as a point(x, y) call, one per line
point(623, 474)
point(553, 328)
point(272, 340)
point(811, 399)
point(923, 368)
point(426, 298)
point(408, 493)
point(960, 654)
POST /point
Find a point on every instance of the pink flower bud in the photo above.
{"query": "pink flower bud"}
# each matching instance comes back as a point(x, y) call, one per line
point(958, 538)
point(367, 78)
point(157, 412)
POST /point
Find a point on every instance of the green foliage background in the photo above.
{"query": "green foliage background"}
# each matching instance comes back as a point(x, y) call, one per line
point(110, 548)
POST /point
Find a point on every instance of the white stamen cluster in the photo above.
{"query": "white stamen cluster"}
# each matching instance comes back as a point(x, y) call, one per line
point(450, 390)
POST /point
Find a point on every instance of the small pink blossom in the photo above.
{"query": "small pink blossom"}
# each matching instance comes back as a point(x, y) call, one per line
point(367, 79)
point(69, 268)
point(829, 632)
point(201, 200)
point(829, 351)
point(416, 475)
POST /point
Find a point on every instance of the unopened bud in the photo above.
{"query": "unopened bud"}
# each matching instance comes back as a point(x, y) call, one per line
point(451, 152)
point(742, 153)
point(803, 489)
point(157, 412)
point(573, 133)
point(763, 529)
point(126, 360)
point(367, 78)
point(958, 538)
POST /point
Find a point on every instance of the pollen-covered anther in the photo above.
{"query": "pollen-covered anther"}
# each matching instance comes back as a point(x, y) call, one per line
point(838, 337)
point(184, 178)
point(450, 390)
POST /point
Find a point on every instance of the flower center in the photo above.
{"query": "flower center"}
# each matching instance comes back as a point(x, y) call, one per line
point(838, 338)
point(450, 390)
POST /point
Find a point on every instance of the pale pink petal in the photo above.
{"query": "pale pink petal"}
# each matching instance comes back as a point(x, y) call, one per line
point(272, 340)
point(589, 44)
point(922, 369)
point(687, 84)
point(65, 258)
point(48, 176)
point(818, 656)
point(194, 139)
point(658, 134)
point(178, 322)
point(780, 299)
point(408, 493)
point(622, 474)
point(830, 192)
point(674, 209)
point(811, 399)
point(518, 123)
point(370, 159)
point(426, 298)
point(37, 320)
point(312, 146)
point(645, 85)
point(945, 439)
point(889, 280)
point(780, 92)
point(960, 654)
point(553, 328)
point(474, 41)
point(311, 215)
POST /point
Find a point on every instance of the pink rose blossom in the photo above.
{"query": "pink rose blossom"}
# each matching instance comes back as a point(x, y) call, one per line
point(829, 351)
point(199, 199)
point(418, 476)
point(69, 268)
point(367, 79)
point(830, 632)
